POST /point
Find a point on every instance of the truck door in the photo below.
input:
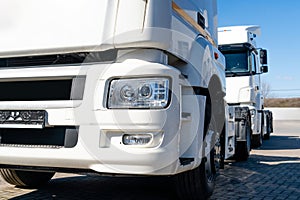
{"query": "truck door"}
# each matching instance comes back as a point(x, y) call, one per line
point(257, 88)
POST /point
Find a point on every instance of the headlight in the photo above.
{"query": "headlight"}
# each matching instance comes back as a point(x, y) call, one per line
point(139, 93)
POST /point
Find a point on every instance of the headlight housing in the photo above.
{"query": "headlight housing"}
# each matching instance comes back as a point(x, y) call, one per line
point(139, 93)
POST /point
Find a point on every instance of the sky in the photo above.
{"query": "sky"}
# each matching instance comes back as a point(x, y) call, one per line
point(280, 27)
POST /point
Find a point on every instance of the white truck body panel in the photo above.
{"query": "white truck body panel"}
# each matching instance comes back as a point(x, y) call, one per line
point(238, 34)
point(245, 89)
point(106, 154)
point(144, 30)
point(99, 144)
point(31, 28)
point(240, 90)
point(41, 27)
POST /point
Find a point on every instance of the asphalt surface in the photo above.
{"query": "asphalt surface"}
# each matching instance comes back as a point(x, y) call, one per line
point(271, 172)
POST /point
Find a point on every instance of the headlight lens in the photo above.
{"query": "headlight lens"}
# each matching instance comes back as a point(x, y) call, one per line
point(139, 93)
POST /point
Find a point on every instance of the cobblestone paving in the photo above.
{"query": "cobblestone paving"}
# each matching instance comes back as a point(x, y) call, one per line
point(272, 172)
point(261, 177)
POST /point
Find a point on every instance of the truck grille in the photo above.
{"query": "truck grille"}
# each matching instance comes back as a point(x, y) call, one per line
point(59, 59)
point(54, 137)
point(35, 90)
point(43, 60)
point(45, 90)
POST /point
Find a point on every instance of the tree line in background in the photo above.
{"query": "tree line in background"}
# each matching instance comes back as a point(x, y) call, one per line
point(272, 101)
point(282, 102)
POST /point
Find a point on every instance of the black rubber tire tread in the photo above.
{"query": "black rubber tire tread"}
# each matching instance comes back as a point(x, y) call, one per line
point(267, 136)
point(194, 184)
point(256, 141)
point(30, 179)
point(242, 152)
point(191, 184)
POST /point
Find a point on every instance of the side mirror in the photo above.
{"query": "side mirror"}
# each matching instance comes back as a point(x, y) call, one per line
point(264, 69)
point(263, 56)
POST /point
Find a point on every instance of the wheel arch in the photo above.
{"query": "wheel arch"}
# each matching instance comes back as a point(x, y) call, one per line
point(215, 106)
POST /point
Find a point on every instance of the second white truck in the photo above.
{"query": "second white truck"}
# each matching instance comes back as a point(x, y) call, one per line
point(245, 63)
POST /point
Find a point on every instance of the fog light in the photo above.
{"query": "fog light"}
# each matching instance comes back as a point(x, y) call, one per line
point(138, 139)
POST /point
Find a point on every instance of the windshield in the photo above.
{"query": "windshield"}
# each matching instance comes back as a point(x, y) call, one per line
point(236, 62)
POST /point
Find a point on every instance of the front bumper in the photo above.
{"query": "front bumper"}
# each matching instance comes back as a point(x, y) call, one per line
point(100, 130)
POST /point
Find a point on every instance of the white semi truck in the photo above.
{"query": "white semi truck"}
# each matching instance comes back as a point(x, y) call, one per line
point(244, 65)
point(118, 87)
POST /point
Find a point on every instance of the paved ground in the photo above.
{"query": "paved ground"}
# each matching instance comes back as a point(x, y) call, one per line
point(272, 172)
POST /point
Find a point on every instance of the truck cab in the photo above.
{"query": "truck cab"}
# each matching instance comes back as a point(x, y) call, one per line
point(117, 87)
point(245, 63)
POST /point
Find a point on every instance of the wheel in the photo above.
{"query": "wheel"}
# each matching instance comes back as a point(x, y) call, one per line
point(243, 148)
point(26, 178)
point(256, 141)
point(199, 183)
point(267, 136)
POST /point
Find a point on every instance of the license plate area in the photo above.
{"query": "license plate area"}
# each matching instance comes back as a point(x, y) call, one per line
point(22, 119)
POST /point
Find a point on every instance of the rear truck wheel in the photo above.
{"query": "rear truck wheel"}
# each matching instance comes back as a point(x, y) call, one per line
point(256, 140)
point(243, 148)
point(267, 136)
point(271, 122)
point(22, 178)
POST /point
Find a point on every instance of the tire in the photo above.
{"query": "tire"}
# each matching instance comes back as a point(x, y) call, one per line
point(30, 179)
point(256, 141)
point(267, 136)
point(199, 183)
point(243, 148)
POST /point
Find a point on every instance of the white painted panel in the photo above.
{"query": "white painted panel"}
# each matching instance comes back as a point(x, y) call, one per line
point(53, 25)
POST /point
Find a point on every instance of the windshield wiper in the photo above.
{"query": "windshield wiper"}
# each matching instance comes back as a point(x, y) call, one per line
point(230, 73)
